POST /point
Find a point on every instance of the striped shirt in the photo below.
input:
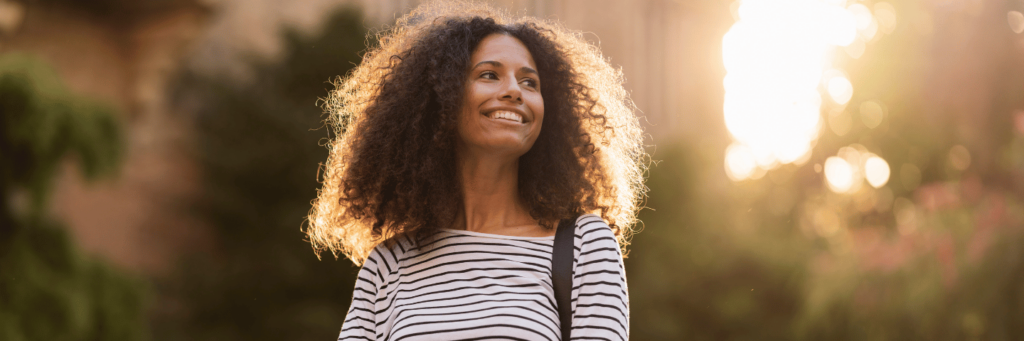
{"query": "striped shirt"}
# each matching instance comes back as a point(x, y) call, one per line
point(462, 285)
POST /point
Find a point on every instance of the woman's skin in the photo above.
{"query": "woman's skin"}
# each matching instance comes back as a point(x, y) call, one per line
point(502, 112)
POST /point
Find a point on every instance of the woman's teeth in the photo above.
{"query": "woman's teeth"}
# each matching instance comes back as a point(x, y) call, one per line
point(507, 115)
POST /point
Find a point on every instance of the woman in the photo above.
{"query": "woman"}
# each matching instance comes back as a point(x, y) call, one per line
point(461, 141)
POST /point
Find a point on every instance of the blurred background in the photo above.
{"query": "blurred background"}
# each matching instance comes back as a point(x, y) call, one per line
point(822, 169)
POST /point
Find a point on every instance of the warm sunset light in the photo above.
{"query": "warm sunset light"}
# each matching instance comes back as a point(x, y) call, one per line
point(862, 15)
point(776, 56)
point(773, 169)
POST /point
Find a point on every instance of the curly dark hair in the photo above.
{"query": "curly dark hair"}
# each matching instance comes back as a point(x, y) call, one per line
point(392, 165)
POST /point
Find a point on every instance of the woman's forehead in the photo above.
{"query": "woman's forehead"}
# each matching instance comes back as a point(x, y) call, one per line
point(504, 49)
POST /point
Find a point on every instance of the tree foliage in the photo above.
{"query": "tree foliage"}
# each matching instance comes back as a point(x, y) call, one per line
point(259, 148)
point(48, 289)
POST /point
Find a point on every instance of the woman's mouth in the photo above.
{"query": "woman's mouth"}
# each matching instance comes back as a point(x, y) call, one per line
point(506, 115)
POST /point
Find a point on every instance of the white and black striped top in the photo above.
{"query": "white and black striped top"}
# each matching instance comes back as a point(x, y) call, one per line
point(463, 285)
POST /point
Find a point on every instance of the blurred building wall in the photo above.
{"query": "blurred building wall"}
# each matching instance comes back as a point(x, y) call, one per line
point(669, 52)
point(123, 54)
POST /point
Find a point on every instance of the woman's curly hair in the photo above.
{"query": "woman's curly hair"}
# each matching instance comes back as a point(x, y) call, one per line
point(392, 164)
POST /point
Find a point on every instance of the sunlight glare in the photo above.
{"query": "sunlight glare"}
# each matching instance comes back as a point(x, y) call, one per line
point(861, 14)
point(856, 48)
point(839, 26)
point(775, 56)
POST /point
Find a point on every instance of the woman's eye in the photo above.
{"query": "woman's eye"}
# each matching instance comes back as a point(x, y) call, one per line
point(489, 75)
point(530, 83)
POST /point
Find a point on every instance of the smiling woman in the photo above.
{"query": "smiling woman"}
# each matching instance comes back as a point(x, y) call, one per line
point(462, 141)
point(502, 108)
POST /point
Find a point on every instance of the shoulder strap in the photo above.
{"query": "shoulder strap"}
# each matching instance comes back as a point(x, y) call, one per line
point(561, 273)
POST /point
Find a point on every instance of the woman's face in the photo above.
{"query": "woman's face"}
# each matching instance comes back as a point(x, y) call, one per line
point(502, 109)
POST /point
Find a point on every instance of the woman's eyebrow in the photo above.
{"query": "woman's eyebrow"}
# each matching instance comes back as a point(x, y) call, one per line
point(527, 69)
point(493, 63)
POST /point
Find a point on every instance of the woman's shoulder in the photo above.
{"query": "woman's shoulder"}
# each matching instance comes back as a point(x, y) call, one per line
point(594, 236)
point(390, 251)
point(591, 226)
point(597, 246)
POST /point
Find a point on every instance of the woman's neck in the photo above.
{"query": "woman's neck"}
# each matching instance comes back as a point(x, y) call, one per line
point(490, 192)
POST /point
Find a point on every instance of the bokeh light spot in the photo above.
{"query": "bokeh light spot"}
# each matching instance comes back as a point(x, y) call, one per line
point(959, 157)
point(871, 113)
point(885, 14)
point(839, 122)
point(838, 174)
point(739, 162)
point(856, 48)
point(840, 89)
point(1016, 21)
point(861, 14)
point(11, 15)
point(871, 32)
point(876, 171)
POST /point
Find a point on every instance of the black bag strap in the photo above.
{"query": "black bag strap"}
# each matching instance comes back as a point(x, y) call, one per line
point(561, 273)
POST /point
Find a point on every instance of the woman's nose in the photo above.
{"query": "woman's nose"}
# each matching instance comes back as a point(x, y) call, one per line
point(511, 91)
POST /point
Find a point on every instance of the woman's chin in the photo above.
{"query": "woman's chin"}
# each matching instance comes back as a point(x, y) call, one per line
point(509, 147)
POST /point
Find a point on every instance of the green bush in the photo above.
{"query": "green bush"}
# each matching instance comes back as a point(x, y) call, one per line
point(48, 289)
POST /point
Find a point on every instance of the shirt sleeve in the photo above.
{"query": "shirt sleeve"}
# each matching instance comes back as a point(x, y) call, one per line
point(599, 295)
point(360, 321)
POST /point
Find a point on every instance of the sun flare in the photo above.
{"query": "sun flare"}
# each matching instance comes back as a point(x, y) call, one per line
point(778, 59)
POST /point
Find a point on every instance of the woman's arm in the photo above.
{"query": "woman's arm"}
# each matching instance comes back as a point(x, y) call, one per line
point(599, 296)
point(360, 322)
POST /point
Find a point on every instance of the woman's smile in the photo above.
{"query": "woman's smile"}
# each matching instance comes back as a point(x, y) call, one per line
point(506, 115)
point(502, 109)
